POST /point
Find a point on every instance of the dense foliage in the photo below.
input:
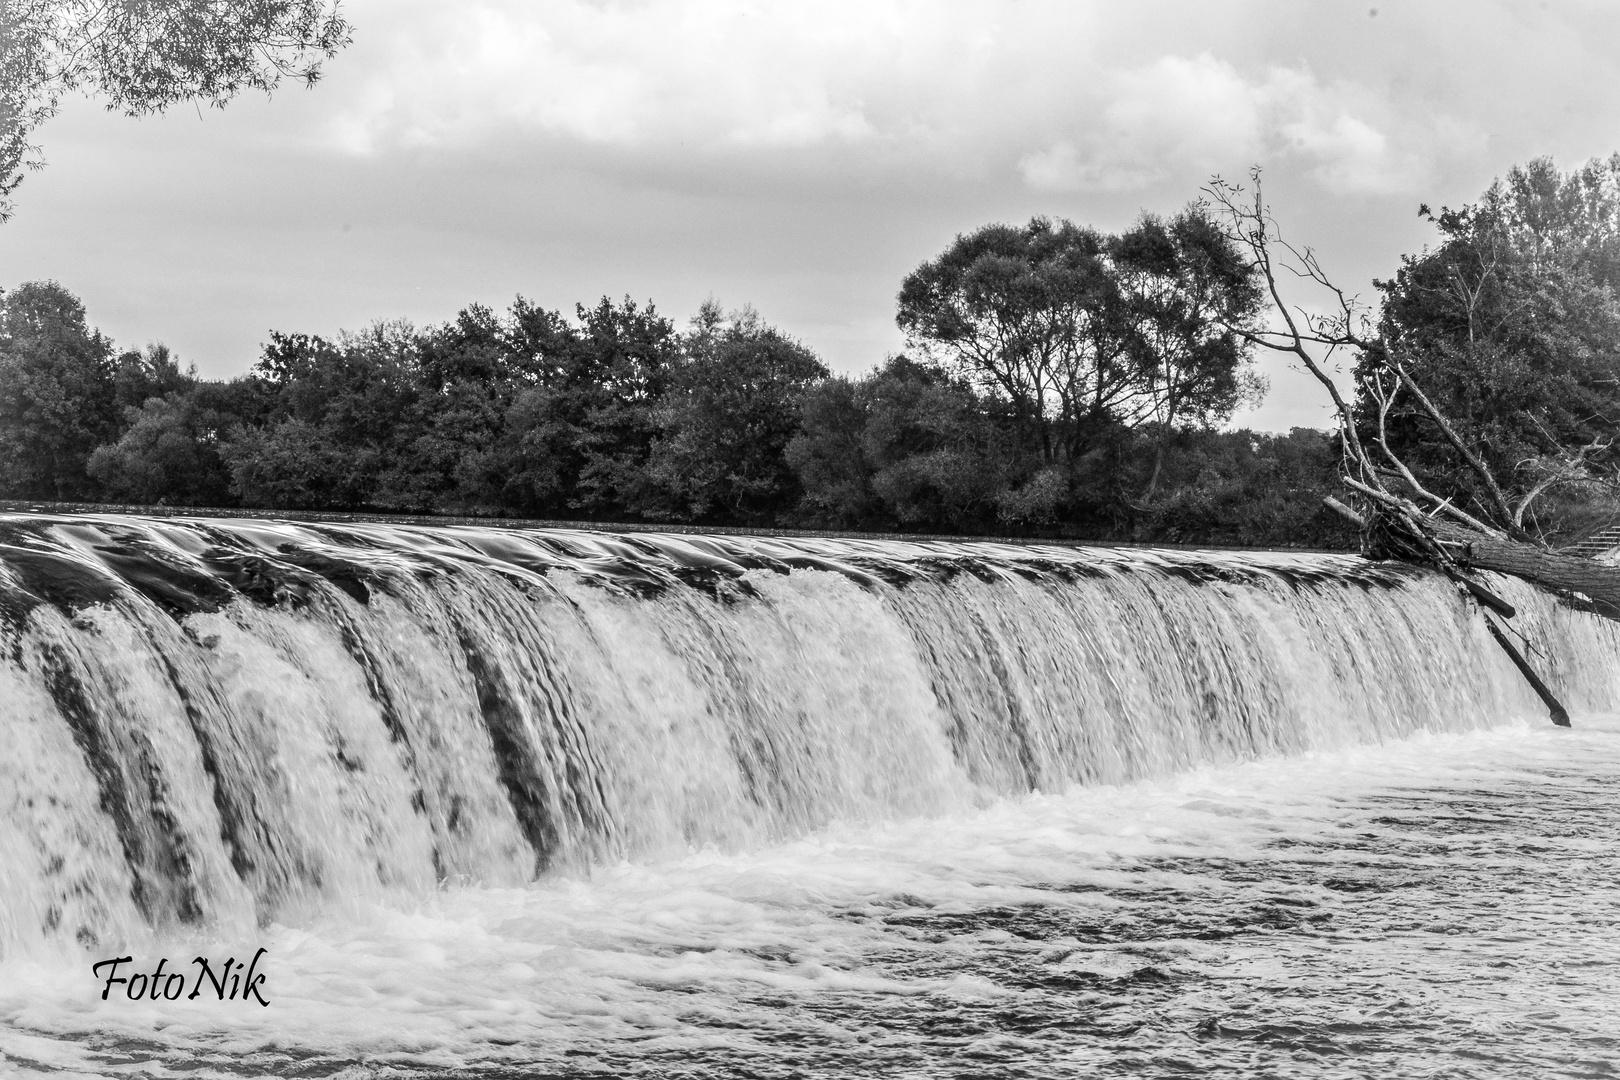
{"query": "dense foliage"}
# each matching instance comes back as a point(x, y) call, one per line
point(1082, 333)
point(1511, 324)
point(614, 414)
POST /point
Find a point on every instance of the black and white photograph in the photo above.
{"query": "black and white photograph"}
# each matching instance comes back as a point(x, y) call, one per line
point(768, 540)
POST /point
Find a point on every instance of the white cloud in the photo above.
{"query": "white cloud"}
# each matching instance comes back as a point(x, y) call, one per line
point(1201, 115)
point(1063, 167)
point(626, 74)
point(1036, 89)
point(1199, 109)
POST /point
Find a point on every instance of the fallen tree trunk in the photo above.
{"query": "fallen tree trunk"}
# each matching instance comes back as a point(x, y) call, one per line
point(1455, 551)
point(1596, 582)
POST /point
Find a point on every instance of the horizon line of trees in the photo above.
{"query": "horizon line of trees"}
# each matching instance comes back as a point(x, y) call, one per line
point(611, 415)
point(1057, 381)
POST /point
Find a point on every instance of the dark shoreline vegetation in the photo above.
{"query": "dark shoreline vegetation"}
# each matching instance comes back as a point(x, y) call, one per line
point(1102, 430)
point(1059, 383)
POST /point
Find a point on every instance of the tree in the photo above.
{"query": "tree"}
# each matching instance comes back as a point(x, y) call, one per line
point(1027, 311)
point(938, 457)
point(1400, 514)
point(626, 356)
point(1187, 296)
point(826, 455)
point(1512, 325)
point(911, 446)
point(1081, 332)
point(730, 409)
point(146, 55)
point(468, 379)
point(149, 373)
point(296, 465)
point(354, 399)
point(168, 454)
point(57, 393)
point(525, 412)
point(582, 427)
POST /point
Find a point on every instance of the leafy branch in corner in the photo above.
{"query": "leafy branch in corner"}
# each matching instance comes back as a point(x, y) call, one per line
point(144, 56)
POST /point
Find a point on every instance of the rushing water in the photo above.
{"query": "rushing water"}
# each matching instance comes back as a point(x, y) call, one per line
point(559, 803)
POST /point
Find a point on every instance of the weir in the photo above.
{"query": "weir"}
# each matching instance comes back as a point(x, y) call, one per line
point(228, 723)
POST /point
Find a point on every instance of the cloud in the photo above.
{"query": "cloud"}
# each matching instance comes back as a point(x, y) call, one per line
point(1037, 91)
point(624, 74)
point(1202, 115)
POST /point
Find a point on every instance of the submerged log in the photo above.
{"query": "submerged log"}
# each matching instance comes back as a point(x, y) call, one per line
point(1555, 708)
point(1483, 595)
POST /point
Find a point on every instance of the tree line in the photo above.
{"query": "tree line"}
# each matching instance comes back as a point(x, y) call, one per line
point(1058, 381)
point(1061, 382)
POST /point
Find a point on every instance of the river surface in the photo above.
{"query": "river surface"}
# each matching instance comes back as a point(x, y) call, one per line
point(1039, 814)
point(1443, 906)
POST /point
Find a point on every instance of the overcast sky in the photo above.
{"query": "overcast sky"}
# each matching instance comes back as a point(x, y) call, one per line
point(799, 157)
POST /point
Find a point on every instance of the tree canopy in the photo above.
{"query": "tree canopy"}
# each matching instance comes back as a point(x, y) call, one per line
point(1028, 312)
point(1511, 324)
point(1082, 331)
point(57, 391)
point(729, 411)
point(610, 413)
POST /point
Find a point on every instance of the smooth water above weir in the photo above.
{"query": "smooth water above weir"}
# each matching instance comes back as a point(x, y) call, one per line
point(547, 749)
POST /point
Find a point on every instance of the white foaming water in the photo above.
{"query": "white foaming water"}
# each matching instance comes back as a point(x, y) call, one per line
point(798, 807)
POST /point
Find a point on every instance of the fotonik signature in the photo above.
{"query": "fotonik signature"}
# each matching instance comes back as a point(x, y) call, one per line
point(239, 985)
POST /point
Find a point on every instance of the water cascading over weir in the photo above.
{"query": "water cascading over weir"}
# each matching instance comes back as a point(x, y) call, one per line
point(229, 723)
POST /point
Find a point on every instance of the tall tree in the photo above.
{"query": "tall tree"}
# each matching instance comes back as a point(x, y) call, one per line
point(583, 425)
point(727, 415)
point(1028, 312)
point(1186, 295)
point(143, 56)
point(1512, 326)
point(1081, 332)
point(57, 393)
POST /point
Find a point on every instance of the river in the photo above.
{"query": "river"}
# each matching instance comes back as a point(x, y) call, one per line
point(501, 803)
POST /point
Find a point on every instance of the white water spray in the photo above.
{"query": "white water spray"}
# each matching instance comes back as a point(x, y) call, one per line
point(227, 723)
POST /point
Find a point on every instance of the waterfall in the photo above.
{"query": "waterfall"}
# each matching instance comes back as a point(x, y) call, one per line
point(232, 722)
